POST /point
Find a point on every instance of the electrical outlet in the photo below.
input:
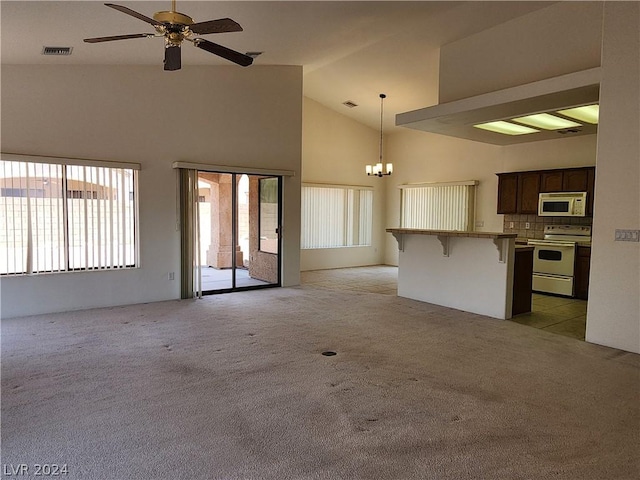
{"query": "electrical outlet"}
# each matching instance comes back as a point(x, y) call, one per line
point(171, 276)
point(510, 224)
point(627, 235)
point(527, 225)
point(480, 223)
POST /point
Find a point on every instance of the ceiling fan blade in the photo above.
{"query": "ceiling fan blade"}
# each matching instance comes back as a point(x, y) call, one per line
point(222, 25)
point(224, 52)
point(133, 13)
point(117, 37)
point(172, 58)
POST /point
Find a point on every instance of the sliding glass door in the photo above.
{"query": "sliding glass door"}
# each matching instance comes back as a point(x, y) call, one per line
point(235, 232)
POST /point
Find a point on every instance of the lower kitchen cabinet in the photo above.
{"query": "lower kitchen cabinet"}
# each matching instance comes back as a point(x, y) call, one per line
point(522, 280)
point(581, 272)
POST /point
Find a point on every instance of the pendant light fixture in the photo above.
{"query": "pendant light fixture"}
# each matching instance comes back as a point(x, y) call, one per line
point(377, 168)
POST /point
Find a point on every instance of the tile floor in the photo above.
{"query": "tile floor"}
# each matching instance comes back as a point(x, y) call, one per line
point(560, 315)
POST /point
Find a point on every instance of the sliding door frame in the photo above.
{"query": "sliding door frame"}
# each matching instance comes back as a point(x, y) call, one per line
point(189, 223)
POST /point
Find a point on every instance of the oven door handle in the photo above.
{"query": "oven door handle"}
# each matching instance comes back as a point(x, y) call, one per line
point(542, 243)
point(552, 276)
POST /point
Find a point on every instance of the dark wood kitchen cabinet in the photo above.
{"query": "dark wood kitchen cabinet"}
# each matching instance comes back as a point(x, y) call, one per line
point(518, 191)
point(565, 180)
point(507, 193)
point(591, 188)
point(528, 190)
point(522, 280)
point(575, 180)
point(581, 272)
point(551, 181)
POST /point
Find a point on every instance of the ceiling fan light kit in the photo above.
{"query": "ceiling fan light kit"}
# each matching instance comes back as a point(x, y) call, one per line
point(175, 18)
point(175, 27)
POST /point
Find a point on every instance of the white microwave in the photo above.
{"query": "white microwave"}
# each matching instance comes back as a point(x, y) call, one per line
point(562, 204)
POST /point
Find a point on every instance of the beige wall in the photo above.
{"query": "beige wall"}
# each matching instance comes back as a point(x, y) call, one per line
point(562, 38)
point(335, 151)
point(613, 317)
point(426, 157)
point(215, 115)
point(561, 153)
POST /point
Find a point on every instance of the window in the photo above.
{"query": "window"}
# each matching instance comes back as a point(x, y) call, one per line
point(58, 217)
point(438, 206)
point(336, 216)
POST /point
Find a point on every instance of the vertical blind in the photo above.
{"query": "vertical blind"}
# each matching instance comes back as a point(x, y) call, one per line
point(190, 272)
point(438, 206)
point(336, 216)
point(59, 217)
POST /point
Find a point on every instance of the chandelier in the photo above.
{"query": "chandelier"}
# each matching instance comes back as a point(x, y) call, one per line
point(377, 168)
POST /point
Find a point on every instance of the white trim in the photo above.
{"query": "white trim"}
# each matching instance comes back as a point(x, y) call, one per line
point(331, 185)
point(203, 167)
point(438, 184)
point(82, 162)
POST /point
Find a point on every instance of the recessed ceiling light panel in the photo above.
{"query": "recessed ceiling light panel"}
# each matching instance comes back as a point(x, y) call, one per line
point(506, 128)
point(587, 113)
point(546, 121)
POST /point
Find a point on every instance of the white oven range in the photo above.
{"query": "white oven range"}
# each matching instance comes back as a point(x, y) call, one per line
point(554, 258)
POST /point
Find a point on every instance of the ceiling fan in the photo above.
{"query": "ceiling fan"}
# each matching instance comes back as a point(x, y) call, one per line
point(176, 27)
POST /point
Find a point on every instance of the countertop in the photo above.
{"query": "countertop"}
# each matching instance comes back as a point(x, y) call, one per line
point(451, 233)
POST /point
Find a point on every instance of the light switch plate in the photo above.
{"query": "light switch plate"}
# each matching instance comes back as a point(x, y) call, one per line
point(627, 235)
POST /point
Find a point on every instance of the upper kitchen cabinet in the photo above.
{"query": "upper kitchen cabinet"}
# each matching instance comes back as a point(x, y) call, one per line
point(528, 190)
point(551, 181)
point(591, 188)
point(518, 191)
point(565, 180)
point(575, 180)
point(507, 193)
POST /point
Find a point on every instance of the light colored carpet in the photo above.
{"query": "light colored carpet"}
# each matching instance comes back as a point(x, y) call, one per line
point(235, 387)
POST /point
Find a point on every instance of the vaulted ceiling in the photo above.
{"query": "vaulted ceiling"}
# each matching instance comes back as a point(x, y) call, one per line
point(349, 50)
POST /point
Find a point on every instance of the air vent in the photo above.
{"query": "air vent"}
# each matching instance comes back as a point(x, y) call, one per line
point(56, 50)
point(349, 104)
point(570, 130)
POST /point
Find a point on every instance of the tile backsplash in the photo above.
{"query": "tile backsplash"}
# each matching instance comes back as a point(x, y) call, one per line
point(537, 224)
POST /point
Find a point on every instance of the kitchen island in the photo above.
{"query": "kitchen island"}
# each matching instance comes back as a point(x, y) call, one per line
point(470, 271)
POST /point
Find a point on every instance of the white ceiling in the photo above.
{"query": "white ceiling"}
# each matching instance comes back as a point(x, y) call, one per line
point(349, 50)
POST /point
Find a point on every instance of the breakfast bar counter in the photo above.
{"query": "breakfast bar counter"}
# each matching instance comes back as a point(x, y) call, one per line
point(470, 271)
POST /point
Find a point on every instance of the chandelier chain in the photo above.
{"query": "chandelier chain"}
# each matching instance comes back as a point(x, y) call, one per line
point(382, 97)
